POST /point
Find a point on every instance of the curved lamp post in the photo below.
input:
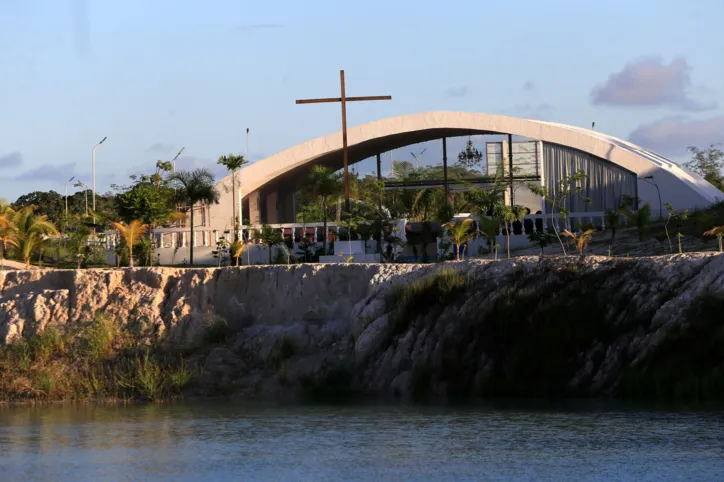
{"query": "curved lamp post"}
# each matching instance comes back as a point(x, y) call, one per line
point(174, 159)
point(650, 180)
point(94, 177)
point(85, 190)
point(66, 201)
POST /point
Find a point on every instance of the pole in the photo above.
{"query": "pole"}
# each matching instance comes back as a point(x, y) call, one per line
point(510, 168)
point(241, 192)
point(174, 159)
point(344, 142)
point(66, 201)
point(94, 177)
point(444, 170)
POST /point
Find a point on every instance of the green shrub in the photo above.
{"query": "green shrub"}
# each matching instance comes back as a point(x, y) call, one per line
point(102, 337)
point(434, 292)
point(180, 377)
point(217, 331)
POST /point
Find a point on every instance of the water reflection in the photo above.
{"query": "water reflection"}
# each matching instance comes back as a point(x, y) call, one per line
point(225, 441)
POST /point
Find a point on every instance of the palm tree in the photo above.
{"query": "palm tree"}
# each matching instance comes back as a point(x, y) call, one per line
point(351, 222)
point(270, 237)
point(7, 231)
point(194, 187)
point(719, 233)
point(641, 218)
point(5, 214)
point(31, 231)
point(324, 185)
point(461, 233)
point(131, 234)
point(237, 249)
point(489, 228)
point(582, 240)
point(612, 219)
point(508, 215)
point(233, 163)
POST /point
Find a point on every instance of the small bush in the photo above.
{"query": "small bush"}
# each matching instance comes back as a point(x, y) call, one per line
point(218, 331)
point(102, 338)
point(419, 297)
point(180, 377)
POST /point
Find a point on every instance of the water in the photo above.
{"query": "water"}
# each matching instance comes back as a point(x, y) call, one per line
point(223, 441)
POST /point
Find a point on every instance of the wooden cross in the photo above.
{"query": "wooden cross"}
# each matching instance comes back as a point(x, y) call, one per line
point(343, 100)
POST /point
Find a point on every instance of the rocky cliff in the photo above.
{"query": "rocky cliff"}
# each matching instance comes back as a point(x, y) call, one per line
point(525, 327)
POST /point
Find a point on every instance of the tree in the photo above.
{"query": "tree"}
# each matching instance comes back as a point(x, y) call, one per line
point(148, 199)
point(8, 232)
point(49, 204)
point(131, 234)
point(612, 218)
point(489, 229)
point(79, 242)
point(672, 215)
point(508, 215)
point(461, 233)
point(32, 231)
point(541, 238)
point(194, 187)
point(233, 163)
point(709, 163)
point(324, 185)
point(566, 188)
point(719, 233)
point(269, 237)
point(351, 222)
point(581, 241)
point(640, 218)
point(237, 249)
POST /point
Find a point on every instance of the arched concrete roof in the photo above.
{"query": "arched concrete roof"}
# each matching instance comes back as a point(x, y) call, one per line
point(681, 187)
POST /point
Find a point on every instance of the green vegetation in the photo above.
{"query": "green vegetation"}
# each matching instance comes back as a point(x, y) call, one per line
point(581, 241)
point(568, 187)
point(709, 163)
point(688, 364)
point(95, 361)
point(425, 296)
point(233, 163)
point(194, 188)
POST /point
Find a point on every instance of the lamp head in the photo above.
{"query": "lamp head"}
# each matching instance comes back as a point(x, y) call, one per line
point(101, 142)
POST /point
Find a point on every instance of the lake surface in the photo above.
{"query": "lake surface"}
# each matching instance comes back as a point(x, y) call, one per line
point(225, 441)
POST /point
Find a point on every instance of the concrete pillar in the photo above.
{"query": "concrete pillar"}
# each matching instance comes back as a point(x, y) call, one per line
point(272, 216)
point(255, 207)
point(286, 208)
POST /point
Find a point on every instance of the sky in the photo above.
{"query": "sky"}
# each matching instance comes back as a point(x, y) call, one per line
point(155, 76)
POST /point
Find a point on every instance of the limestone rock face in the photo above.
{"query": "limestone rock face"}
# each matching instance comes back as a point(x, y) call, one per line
point(582, 323)
point(30, 313)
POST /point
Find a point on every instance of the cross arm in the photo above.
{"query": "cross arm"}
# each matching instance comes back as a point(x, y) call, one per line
point(347, 99)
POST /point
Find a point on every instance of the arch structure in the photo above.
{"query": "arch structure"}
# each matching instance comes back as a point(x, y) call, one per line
point(268, 185)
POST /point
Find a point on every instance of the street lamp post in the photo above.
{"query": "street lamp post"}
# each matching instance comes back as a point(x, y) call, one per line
point(66, 201)
point(174, 159)
point(94, 177)
point(650, 180)
point(85, 190)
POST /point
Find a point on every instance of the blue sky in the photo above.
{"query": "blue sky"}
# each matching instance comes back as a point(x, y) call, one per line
point(157, 75)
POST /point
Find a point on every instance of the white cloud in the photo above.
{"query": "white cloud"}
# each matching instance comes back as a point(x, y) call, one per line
point(672, 135)
point(650, 82)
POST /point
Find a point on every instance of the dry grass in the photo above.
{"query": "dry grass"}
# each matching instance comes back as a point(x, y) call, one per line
point(98, 361)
